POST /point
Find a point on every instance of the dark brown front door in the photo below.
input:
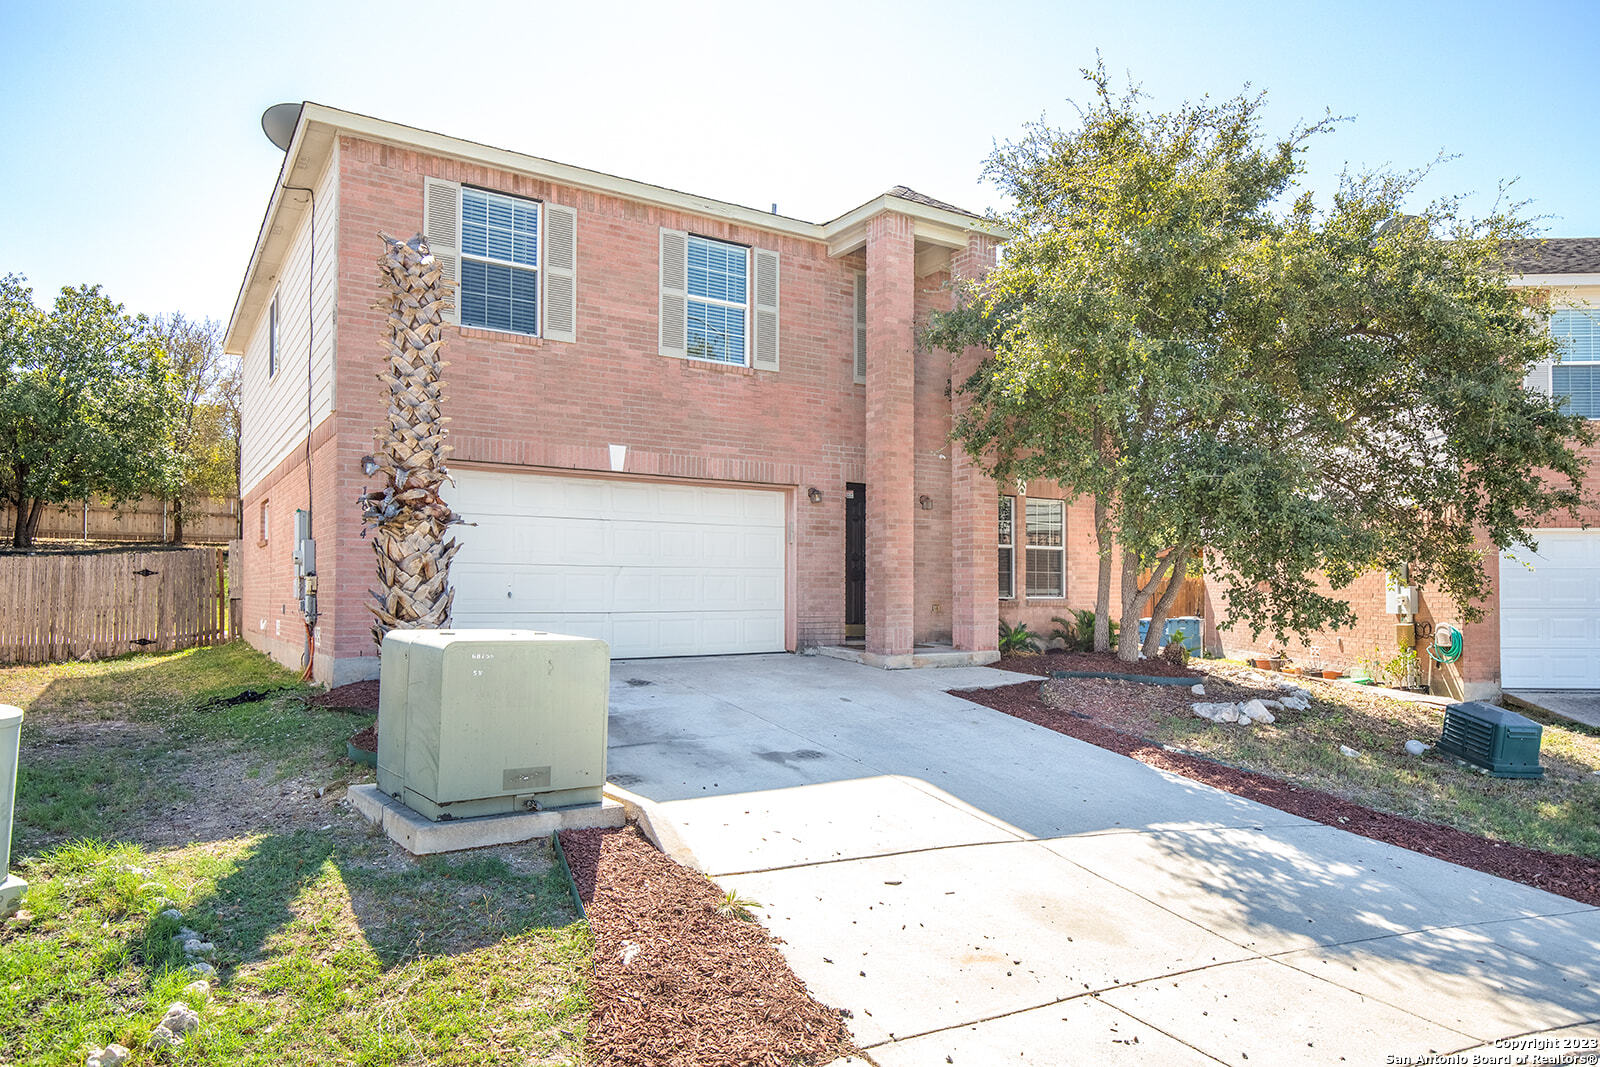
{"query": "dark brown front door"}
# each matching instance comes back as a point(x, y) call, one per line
point(855, 560)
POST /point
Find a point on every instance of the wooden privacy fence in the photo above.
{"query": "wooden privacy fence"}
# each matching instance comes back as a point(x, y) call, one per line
point(207, 520)
point(62, 606)
point(1191, 599)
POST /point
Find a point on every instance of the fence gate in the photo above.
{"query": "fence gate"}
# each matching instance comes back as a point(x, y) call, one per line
point(61, 606)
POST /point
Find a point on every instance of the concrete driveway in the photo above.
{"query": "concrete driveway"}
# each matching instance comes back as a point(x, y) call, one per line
point(978, 890)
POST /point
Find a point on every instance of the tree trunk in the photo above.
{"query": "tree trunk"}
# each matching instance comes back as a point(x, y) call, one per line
point(1102, 592)
point(1158, 614)
point(31, 531)
point(177, 520)
point(1134, 598)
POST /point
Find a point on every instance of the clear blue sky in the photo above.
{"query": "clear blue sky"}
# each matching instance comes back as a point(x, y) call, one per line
point(134, 155)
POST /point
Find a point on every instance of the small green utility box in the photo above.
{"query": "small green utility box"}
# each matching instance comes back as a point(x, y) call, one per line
point(1503, 742)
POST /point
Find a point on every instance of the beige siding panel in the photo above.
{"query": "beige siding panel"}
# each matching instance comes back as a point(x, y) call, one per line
point(274, 409)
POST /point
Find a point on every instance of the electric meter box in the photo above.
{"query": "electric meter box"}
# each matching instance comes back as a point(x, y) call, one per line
point(485, 722)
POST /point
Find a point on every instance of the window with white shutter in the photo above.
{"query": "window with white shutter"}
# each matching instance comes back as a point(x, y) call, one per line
point(560, 273)
point(766, 311)
point(441, 225)
point(674, 293)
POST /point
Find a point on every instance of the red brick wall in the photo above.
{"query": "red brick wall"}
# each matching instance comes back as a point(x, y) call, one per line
point(271, 615)
point(551, 405)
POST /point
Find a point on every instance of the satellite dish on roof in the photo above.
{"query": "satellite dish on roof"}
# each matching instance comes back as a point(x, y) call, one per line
point(278, 123)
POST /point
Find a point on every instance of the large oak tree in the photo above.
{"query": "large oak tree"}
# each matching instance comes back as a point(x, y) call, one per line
point(1238, 374)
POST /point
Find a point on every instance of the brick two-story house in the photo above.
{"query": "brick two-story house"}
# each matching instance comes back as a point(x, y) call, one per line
point(1541, 628)
point(681, 425)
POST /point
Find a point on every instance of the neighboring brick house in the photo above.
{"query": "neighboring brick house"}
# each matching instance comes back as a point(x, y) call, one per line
point(1542, 627)
point(679, 424)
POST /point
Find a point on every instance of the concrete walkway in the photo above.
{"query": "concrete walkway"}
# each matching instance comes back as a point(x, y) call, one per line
point(1579, 705)
point(978, 890)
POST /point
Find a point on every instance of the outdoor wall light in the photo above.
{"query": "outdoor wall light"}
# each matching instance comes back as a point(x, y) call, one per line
point(814, 495)
point(926, 501)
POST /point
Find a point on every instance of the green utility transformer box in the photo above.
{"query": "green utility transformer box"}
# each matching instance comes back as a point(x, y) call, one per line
point(485, 722)
point(1502, 742)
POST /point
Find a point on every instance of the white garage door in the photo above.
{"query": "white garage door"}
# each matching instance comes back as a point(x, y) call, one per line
point(652, 568)
point(1550, 614)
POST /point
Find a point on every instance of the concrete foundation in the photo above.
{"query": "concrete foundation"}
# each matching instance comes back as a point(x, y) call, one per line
point(423, 837)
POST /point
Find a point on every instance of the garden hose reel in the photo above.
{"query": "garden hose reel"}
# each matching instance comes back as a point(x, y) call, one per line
point(1446, 645)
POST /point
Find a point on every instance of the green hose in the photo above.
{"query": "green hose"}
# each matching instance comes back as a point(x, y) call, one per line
point(1448, 654)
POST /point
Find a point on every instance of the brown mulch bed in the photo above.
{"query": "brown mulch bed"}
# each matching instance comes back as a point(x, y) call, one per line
point(1042, 663)
point(366, 740)
point(1575, 877)
point(354, 695)
point(700, 988)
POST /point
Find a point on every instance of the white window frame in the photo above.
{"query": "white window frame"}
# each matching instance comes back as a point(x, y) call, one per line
point(266, 520)
point(462, 255)
point(1010, 544)
point(1060, 506)
point(272, 338)
point(748, 306)
point(1593, 360)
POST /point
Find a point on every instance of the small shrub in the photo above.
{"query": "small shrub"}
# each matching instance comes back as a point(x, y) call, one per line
point(734, 906)
point(1017, 639)
point(1176, 651)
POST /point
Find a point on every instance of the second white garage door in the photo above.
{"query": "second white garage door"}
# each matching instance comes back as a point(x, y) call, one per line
point(1550, 614)
point(652, 568)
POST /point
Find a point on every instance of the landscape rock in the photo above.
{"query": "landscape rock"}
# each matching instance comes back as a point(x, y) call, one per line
point(1294, 703)
point(195, 947)
point(111, 1056)
point(1416, 748)
point(1256, 711)
point(180, 1018)
point(1198, 690)
point(198, 990)
point(1348, 751)
point(185, 934)
point(161, 1038)
point(202, 969)
point(174, 914)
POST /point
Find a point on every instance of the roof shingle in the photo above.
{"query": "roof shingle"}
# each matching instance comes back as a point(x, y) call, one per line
point(902, 192)
point(1556, 255)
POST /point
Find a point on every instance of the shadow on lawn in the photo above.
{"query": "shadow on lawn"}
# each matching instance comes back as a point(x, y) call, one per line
point(324, 892)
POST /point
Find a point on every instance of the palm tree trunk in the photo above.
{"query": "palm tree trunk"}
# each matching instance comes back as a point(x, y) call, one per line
point(405, 511)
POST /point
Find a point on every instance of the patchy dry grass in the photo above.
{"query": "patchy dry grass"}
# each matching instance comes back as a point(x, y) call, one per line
point(333, 946)
point(1561, 813)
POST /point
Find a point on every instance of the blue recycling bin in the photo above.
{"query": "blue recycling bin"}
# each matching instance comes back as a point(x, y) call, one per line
point(1189, 624)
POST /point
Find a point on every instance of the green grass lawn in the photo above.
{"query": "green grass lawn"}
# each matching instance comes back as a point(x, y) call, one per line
point(1560, 813)
point(333, 946)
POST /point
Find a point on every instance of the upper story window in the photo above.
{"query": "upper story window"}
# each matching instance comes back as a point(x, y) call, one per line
point(272, 336)
point(1047, 548)
point(1577, 376)
point(1008, 557)
point(499, 262)
point(718, 301)
point(719, 306)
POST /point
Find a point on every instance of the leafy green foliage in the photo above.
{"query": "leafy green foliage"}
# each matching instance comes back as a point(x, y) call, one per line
point(1183, 334)
point(88, 403)
point(1077, 633)
point(206, 432)
point(1017, 638)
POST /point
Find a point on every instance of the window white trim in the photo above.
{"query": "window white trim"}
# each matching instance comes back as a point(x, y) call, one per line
point(1580, 348)
point(536, 268)
point(1044, 508)
point(266, 523)
point(747, 306)
point(272, 338)
point(1007, 544)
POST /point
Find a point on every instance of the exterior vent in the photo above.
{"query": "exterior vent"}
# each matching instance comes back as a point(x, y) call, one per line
point(1502, 742)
